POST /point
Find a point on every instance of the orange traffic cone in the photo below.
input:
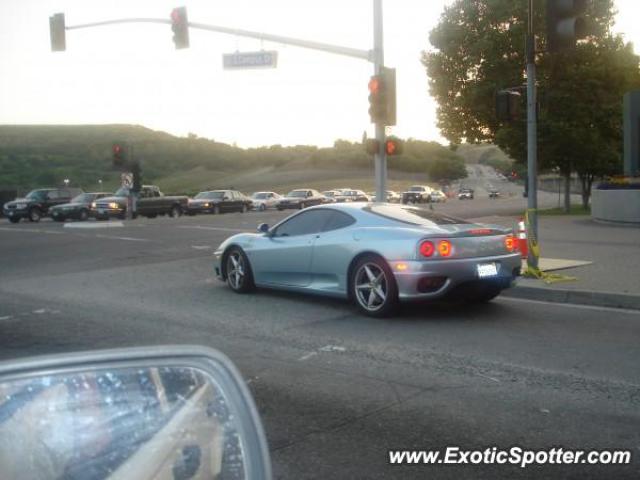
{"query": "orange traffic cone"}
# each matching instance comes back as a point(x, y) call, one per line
point(522, 239)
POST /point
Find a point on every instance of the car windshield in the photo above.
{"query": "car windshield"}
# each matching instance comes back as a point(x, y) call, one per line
point(259, 195)
point(329, 194)
point(210, 195)
point(413, 215)
point(122, 192)
point(297, 193)
point(416, 189)
point(36, 195)
point(83, 198)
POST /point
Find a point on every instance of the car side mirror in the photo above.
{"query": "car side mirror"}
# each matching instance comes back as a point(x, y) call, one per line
point(143, 412)
point(263, 228)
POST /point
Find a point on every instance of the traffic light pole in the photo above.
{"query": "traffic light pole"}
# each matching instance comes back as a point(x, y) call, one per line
point(532, 144)
point(380, 158)
point(376, 56)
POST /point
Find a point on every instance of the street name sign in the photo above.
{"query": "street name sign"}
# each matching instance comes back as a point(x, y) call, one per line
point(243, 60)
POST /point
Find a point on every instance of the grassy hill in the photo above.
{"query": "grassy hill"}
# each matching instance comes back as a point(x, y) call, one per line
point(33, 156)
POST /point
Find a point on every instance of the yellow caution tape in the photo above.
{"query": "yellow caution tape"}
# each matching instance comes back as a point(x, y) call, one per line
point(534, 249)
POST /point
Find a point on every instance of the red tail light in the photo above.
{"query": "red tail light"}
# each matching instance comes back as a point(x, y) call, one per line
point(427, 248)
point(510, 243)
point(444, 248)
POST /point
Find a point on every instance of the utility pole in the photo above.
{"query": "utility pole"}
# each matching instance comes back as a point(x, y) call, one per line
point(532, 144)
point(380, 158)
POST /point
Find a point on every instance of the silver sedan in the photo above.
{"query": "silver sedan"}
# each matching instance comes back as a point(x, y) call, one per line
point(376, 254)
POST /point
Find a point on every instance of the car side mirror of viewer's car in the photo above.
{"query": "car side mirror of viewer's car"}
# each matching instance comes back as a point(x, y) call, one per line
point(144, 413)
point(263, 228)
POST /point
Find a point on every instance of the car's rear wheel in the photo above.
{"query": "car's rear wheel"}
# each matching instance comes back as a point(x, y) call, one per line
point(262, 207)
point(14, 220)
point(175, 212)
point(373, 287)
point(238, 271)
point(35, 215)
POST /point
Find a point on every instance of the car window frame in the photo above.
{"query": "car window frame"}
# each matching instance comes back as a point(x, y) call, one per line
point(274, 231)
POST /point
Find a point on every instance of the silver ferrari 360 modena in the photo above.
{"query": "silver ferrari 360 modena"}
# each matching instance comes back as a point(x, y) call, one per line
point(376, 254)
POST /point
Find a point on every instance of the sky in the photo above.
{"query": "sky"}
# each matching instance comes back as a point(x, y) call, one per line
point(132, 73)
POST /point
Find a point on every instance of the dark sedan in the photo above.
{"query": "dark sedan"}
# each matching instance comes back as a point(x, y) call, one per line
point(301, 198)
point(78, 208)
point(219, 201)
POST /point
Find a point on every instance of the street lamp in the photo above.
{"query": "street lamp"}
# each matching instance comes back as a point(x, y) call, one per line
point(66, 182)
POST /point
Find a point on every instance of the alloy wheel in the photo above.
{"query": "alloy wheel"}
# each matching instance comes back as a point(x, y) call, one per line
point(235, 270)
point(371, 287)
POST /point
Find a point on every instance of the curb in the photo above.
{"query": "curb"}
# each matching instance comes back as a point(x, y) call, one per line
point(579, 297)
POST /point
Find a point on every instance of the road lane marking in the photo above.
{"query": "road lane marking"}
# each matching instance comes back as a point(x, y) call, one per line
point(222, 229)
point(572, 305)
point(333, 348)
point(307, 356)
point(130, 239)
point(30, 230)
point(94, 225)
point(201, 247)
point(6, 317)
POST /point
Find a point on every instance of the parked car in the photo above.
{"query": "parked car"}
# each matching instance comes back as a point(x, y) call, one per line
point(356, 196)
point(300, 198)
point(329, 196)
point(438, 196)
point(465, 194)
point(219, 201)
point(263, 200)
point(151, 202)
point(36, 204)
point(376, 254)
point(417, 194)
point(340, 195)
point(79, 208)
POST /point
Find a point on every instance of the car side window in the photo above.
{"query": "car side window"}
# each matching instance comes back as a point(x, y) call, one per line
point(304, 223)
point(338, 220)
point(53, 195)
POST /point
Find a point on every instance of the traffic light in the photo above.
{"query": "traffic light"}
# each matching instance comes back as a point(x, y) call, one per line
point(508, 105)
point(137, 177)
point(180, 27)
point(565, 23)
point(57, 33)
point(382, 97)
point(393, 146)
point(119, 155)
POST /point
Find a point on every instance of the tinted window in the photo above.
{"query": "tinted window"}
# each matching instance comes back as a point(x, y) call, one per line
point(338, 220)
point(304, 223)
point(53, 195)
point(412, 215)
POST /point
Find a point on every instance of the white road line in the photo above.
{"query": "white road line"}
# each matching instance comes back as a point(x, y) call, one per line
point(307, 356)
point(6, 317)
point(573, 305)
point(201, 247)
point(29, 230)
point(222, 229)
point(333, 348)
point(130, 239)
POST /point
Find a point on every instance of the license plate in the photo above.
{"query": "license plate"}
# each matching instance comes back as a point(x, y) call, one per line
point(487, 270)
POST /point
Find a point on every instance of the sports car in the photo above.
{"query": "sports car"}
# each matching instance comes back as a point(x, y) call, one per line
point(376, 254)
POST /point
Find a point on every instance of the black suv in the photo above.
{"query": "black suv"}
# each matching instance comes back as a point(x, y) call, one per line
point(36, 204)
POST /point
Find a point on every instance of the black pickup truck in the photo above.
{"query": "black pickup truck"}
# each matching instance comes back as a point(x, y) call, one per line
point(150, 203)
point(36, 204)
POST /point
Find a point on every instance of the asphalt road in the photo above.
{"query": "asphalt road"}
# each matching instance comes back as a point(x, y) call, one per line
point(337, 390)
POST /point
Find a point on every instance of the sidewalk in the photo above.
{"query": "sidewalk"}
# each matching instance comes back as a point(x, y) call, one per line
point(613, 277)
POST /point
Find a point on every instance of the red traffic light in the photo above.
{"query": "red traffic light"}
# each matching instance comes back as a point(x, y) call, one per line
point(374, 85)
point(180, 27)
point(393, 146)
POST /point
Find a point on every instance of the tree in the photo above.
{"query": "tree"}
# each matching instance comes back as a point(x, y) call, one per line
point(480, 50)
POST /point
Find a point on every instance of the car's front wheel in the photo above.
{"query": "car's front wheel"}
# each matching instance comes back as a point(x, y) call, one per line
point(373, 287)
point(238, 271)
point(35, 215)
point(175, 212)
point(262, 207)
